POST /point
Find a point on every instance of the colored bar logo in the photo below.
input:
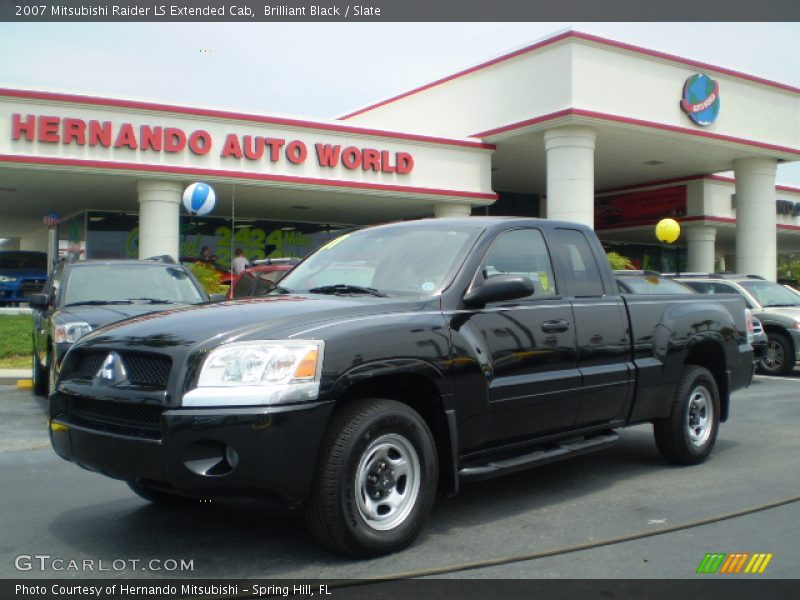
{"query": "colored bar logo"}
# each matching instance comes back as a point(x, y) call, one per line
point(734, 563)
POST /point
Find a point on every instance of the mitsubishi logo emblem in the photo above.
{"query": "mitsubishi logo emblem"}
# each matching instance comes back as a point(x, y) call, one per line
point(111, 372)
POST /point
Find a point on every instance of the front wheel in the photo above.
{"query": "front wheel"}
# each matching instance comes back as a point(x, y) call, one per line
point(376, 479)
point(687, 435)
point(779, 358)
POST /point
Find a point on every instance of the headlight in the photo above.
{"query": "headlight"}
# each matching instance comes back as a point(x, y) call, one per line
point(71, 332)
point(7, 279)
point(268, 372)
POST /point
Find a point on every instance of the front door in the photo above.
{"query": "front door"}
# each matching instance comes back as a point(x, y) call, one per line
point(531, 368)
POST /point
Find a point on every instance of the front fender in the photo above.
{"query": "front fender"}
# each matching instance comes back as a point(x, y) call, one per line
point(386, 368)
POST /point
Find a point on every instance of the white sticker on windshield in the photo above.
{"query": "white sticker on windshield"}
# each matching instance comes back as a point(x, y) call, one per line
point(428, 286)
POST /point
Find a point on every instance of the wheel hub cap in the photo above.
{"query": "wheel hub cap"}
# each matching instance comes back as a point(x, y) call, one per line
point(699, 416)
point(387, 482)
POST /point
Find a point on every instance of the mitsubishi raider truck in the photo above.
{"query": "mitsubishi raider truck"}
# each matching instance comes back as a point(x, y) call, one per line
point(395, 363)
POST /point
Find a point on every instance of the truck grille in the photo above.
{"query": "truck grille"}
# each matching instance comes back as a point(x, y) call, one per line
point(139, 417)
point(143, 369)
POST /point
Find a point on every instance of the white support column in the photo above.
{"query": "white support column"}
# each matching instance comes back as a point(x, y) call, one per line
point(159, 212)
point(447, 210)
point(756, 241)
point(700, 241)
point(570, 174)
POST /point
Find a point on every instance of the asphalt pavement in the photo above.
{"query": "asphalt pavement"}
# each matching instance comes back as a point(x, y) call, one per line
point(54, 508)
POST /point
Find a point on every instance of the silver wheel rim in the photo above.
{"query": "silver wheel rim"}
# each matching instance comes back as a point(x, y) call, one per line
point(699, 416)
point(387, 482)
point(774, 358)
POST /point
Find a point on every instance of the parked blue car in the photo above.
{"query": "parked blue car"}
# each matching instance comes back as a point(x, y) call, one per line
point(22, 273)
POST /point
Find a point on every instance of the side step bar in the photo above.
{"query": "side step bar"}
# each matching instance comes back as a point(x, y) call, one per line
point(562, 450)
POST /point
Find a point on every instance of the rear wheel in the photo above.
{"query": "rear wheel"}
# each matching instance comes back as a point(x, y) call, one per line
point(376, 479)
point(687, 435)
point(779, 358)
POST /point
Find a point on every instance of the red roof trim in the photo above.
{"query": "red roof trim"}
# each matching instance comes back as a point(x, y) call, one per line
point(579, 112)
point(636, 186)
point(222, 114)
point(686, 61)
point(783, 188)
point(121, 166)
point(478, 67)
point(589, 38)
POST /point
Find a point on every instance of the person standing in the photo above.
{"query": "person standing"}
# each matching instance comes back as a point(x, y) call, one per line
point(240, 262)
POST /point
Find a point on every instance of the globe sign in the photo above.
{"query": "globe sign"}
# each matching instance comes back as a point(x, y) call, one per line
point(668, 230)
point(199, 199)
point(701, 99)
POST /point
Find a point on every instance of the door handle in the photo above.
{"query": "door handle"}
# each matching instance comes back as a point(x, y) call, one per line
point(555, 326)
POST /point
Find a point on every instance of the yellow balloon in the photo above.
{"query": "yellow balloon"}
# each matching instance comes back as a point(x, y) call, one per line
point(668, 230)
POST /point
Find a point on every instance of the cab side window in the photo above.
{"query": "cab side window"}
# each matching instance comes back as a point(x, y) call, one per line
point(580, 267)
point(521, 252)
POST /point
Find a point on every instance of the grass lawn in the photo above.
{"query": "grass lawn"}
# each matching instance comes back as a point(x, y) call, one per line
point(16, 346)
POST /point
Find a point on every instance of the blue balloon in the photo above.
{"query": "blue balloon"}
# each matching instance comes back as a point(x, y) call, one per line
point(199, 199)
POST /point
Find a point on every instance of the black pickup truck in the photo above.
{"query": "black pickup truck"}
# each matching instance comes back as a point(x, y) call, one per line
point(395, 362)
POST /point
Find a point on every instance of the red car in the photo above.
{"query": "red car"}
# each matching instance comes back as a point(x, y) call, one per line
point(259, 279)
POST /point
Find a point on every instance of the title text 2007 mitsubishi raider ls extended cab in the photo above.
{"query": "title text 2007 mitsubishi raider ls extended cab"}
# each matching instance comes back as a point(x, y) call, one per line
point(395, 362)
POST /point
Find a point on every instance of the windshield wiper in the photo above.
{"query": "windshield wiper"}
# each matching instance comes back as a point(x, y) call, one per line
point(343, 288)
point(780, 305)
point(156, 300)
point(99, 302)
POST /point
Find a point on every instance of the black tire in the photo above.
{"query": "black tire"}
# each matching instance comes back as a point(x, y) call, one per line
point(688, 434)
point(40, 376)
point(160, 497)
point(779, 358)
point(390, 447)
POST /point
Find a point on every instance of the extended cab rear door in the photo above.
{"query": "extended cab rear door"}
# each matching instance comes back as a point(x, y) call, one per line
point(601, 329)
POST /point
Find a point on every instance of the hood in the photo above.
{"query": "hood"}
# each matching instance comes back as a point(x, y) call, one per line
point(100, 315)
point(272, 317)
point(786, 312)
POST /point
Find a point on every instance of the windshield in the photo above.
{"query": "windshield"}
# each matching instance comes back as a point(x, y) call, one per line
point(399, 260)
point(767, 293)
point(101, 283)
point(654, 285)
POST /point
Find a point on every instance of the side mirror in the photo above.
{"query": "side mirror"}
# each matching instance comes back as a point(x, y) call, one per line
point(499, 288)
point(40, 301)
point(217, 297)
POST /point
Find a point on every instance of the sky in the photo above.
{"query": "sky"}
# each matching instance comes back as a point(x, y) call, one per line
point(323, 70)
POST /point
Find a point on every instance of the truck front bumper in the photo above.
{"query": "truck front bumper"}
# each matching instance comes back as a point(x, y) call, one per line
point(244, 451)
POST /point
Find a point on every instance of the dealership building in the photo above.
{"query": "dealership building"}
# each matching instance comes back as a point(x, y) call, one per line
point(574, 127)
